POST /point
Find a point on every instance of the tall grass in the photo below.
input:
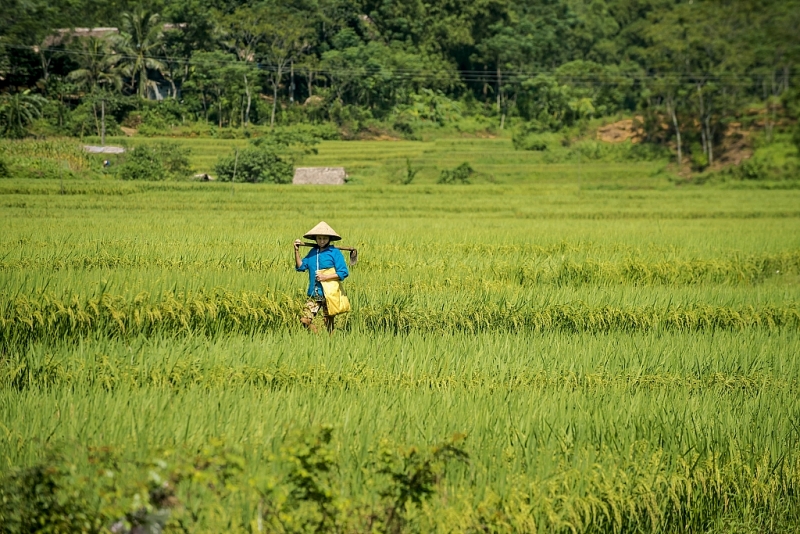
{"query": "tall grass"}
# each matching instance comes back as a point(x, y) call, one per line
point(47, 158)
point(619, 360)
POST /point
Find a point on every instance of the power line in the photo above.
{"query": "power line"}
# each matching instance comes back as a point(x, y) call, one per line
point(466, 75)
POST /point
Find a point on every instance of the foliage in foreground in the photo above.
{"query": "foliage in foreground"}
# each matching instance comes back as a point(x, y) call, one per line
point(295, 490)
point(299, 489)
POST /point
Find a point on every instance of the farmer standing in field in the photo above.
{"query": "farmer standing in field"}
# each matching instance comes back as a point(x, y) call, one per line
point(324, 263)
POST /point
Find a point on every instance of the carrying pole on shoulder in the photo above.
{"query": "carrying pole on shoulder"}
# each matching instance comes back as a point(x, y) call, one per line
point(353, 251)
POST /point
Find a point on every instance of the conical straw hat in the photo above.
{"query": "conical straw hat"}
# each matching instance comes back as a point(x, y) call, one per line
point(322, 229)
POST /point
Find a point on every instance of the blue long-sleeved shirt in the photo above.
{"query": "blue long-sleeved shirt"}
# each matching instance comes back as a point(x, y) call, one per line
point(329, 257)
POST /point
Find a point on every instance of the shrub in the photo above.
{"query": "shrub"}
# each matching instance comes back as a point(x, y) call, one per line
point(411, 173)
point(42, 499)
point(752, 169)
point(459, 175)
point(18, 111)
point(101, 490)
point(524, 140)
point(5, 171)
point(256, 164)
point(159, 161)
point(270, 158)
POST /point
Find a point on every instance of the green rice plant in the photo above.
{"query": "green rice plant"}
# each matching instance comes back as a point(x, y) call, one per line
point(44, 157)
point(621, 355)
point(736, 270)
point(220, 312)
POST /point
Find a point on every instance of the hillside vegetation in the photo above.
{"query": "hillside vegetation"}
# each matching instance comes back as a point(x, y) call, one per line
point(697, 77)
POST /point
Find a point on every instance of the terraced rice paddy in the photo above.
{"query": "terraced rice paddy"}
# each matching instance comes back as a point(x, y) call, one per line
point(494, 160)
point(618, 360)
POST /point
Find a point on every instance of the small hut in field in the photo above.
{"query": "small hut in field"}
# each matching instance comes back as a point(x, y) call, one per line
point(319, 176)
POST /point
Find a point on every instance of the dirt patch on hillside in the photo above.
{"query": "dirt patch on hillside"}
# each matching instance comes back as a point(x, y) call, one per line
point(736, 147)
point(620, 131)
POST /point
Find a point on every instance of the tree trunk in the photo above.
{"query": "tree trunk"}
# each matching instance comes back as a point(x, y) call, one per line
point(291, 82)
point(246, 119)
point(274, 102)
point(499, 86)
point(710, 136)
point(45, 68)
point(276, 80)
point(103, 122)
point(769, 122)
point(702, 121)
point(96, 121)
point(310, 82)
point(673, 115)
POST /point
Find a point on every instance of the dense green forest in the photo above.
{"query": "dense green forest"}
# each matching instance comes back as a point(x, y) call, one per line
point(686, 69)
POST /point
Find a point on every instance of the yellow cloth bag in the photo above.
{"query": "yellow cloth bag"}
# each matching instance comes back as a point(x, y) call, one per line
point(335, 297)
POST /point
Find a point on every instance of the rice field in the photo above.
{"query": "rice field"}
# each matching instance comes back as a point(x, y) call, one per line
point(494, 159)
point(522, 356)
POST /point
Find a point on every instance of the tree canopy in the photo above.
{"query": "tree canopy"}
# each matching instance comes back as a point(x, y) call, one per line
point(549, 63)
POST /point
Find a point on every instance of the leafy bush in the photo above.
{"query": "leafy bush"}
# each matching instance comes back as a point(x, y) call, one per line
point(413, 476)
point(411, 173)
point(752, 169)
point(526, 142)
point(428, 106)
point(43, 498)
point(99, 490)
point(5, 171)
point(459, 175)
point(156, 117)
point(18, 111)
point(270, 158)
point(698, 157)
point(159, 161)
point(403, 126)
point(256, 164)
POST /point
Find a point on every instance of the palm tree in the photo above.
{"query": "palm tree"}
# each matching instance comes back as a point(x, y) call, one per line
point(98, 65)
point(142, 35)
point(18, 111)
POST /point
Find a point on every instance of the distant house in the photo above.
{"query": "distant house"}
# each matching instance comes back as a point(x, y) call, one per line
point(319, 176)
point(62, 35)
